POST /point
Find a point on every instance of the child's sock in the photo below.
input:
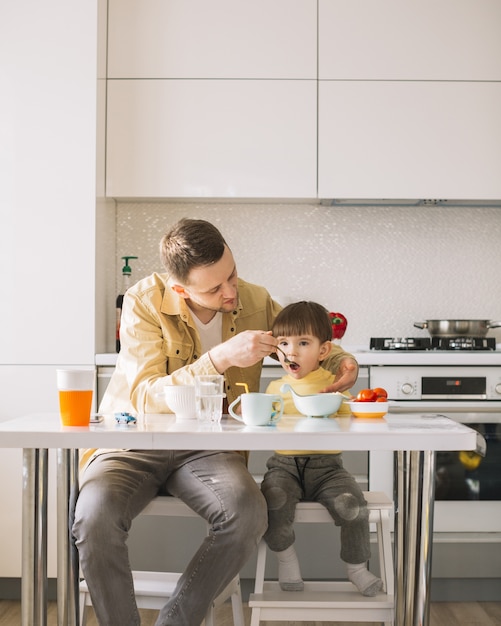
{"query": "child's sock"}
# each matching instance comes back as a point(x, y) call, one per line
point(289, 574)
point(364, 581)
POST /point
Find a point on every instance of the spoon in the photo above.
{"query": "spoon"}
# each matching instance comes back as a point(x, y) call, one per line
point(287, 361)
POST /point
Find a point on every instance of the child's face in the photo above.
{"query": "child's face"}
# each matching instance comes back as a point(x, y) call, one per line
point(306, 352)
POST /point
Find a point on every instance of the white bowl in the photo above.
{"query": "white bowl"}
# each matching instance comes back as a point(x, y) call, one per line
point(316, 404)
point(369, 409)
point(181, 400)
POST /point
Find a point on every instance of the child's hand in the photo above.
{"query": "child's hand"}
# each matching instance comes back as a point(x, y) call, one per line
point(346, 376)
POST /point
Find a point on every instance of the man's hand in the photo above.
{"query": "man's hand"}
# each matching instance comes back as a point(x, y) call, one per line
point(346, 376)
point(243, 350)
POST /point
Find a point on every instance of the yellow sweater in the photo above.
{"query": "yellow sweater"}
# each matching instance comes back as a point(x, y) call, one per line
point(312, 383)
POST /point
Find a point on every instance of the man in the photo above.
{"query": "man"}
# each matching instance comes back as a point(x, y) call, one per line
point(199, 318)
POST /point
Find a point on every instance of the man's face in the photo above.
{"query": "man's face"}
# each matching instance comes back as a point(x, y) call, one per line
point(212, 287)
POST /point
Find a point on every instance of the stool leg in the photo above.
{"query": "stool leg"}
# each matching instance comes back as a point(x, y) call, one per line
point(237, 607)
point(387, 556)
point(236, 604)
point(83, 609)
point(262, 552)
point(383, 565)
point(209, 616)
point(255, 616)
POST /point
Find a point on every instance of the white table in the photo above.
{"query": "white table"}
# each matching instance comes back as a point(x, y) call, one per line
point(413, 437)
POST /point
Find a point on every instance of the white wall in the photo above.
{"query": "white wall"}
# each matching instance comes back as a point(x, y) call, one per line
point(383, 267)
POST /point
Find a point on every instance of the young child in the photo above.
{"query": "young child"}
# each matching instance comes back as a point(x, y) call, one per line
point(304, 333)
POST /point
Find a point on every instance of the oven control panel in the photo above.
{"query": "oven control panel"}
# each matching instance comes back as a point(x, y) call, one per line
point(438, 382)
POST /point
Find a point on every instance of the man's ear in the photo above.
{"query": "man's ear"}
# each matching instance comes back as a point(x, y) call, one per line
point(325, 349)
point(180, 290)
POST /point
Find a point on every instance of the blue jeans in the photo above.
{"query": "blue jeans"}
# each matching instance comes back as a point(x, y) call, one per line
point(316, 478)
point(114, 489)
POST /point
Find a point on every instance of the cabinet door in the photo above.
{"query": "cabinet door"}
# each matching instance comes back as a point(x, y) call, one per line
point(409, 140)
point(425, 40)
point(48, 182)
point(224, 139)
point(217, 39)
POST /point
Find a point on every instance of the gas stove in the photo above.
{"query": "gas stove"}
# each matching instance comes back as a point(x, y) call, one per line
point(437, 368)
point(432, 343)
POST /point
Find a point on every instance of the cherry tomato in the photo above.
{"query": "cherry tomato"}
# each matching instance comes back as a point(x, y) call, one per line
point(380, 392)
point(381, 399)
point(366, 395)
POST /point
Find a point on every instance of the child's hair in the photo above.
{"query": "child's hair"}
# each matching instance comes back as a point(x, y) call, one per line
point(303, 318)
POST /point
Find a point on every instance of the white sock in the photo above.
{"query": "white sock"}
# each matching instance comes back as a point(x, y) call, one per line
point(289, 574)
point(364, 581)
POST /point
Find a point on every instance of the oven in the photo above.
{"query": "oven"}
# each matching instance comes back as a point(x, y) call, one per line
point(465, 387)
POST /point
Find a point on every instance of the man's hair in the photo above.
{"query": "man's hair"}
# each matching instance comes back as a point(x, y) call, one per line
point(303, 318)
point(189, 244)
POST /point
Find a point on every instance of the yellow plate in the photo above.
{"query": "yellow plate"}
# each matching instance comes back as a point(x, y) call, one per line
point(364, 415)
point(369, 409)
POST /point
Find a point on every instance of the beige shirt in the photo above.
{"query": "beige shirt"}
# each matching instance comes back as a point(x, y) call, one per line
point(161, 345)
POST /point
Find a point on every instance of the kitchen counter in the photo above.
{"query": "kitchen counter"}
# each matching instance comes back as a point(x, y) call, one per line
point(366, 357)
point(107, 359)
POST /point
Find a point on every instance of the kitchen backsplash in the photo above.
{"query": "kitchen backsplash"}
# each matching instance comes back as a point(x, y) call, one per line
point(383, 267)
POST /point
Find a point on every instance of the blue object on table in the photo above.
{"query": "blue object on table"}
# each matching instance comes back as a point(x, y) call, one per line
point(125, 418)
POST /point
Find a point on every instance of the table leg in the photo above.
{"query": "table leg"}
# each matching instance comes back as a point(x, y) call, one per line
point(67, 554)
point(415, 490)
point(34, 542)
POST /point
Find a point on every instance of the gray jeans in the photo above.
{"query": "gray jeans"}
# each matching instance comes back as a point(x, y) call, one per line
point(316, 478)
point(114, 489)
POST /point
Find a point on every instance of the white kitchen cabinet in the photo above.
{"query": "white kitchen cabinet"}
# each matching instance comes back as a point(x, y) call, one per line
point(47, 178)
point(217, 39)
point(229, 139)
point(47, 222)
point(412, 40)
point(404, 139)
point(413, 114)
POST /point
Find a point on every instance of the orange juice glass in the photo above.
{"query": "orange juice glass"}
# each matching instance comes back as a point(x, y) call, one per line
point(75, 388)
point(75, 406)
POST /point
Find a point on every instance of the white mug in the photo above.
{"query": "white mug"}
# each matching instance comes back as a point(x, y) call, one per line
point(181, 400)
point(258, 409)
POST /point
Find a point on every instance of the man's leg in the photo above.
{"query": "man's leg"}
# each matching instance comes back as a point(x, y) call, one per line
point(218, 487)
point(114, 488)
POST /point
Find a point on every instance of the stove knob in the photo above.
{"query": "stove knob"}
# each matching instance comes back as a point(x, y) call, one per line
point(497, 388)
point(407, 389)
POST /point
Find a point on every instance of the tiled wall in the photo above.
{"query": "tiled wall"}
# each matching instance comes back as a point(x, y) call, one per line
point(383, 267)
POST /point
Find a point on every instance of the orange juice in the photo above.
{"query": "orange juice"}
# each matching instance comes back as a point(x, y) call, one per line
point(75, 407)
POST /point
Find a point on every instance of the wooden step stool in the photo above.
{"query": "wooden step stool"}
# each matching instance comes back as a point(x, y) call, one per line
point(329, 601)
point(153, 589)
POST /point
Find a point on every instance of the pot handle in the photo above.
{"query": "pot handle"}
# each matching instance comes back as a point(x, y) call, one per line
point(493, 324)
point(421, 324)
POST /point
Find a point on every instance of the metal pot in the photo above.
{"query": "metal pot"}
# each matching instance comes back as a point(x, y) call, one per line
point(457, 328)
